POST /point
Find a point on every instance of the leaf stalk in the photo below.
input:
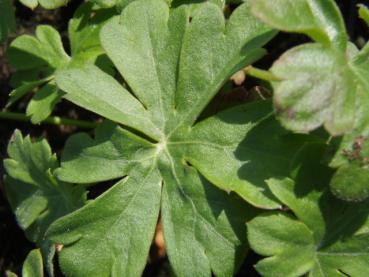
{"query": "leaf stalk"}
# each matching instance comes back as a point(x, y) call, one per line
point(53, 120)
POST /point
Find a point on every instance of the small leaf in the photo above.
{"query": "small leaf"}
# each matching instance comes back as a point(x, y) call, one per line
point(305, 100)
point(351, 183)
point(290, 243)
point(364, 13)
point(320, 82)
point(43, 103)
point(45, 56)
point(35, 196)
point(325, 235)
point(23, 89)
point(320, 19)
point(352, 154)
point(33, 266)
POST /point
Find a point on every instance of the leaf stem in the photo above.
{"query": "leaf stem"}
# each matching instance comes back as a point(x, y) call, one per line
point(260, 74)
point(54, 120)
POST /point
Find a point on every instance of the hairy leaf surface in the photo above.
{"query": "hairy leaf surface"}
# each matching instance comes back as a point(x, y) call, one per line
point(45, 55)
point(174, 61)
point(320, 82)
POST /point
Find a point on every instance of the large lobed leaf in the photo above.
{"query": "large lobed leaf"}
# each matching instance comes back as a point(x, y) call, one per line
point(45, 55)
point(35, 195)
point(324, 237)
point(175, 61)
point(320, 83)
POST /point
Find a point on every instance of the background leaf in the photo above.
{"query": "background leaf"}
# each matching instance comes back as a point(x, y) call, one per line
point(34, 194)
point(7, 19)
point(336, 232)
point(45, 56)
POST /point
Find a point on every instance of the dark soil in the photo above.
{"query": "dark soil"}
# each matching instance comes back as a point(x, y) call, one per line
point(13, 244)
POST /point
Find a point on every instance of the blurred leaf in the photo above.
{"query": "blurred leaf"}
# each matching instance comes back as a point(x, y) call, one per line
point(33, 266)
point(7, 19)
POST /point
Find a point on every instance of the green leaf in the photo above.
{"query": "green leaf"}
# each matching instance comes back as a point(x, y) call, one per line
point(47, 4)
point(319, 19)
point(324, 237)
point(45, 55)
point(364, 13)
point(250, 149)
point(352, 151)
point(42, 104)
point(35, 195)
point(305, 100)
point(174, 61)
point(351, 183)
point(7, 19)
point(23, 89)
point(96, 229)
point(111, 154)
point(33, 266)
point(32, 4)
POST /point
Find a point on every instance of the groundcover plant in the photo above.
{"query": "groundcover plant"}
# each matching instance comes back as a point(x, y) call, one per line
point(285, 177)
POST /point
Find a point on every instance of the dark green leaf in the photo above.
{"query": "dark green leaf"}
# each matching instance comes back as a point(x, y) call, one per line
point(7, 19)
point(35, 195)
point(325, 237)
point(33, 266)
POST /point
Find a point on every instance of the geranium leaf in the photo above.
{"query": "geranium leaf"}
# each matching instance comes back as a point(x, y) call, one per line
point(45, 55)
point(184, 66)
point(303, 99)
point(325, 237)
point(35, 195)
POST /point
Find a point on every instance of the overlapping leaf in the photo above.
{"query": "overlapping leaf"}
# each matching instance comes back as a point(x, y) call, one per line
point(35, 195)
point(175, 61)
point(351, 158)
point(44, 55)
point(320, 83)
point(324, 237)
point(32, 266)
